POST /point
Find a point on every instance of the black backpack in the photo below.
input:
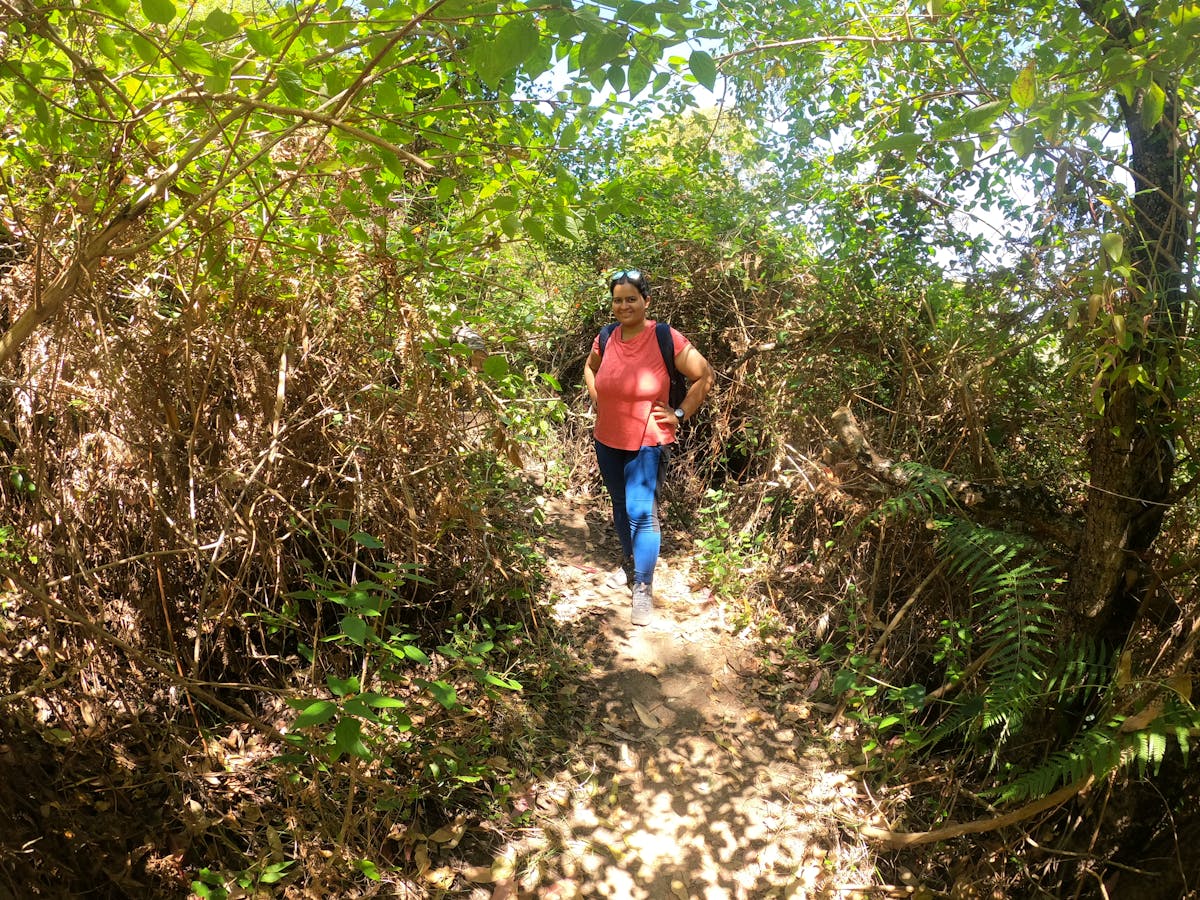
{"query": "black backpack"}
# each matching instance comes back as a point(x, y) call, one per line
point(662, 331)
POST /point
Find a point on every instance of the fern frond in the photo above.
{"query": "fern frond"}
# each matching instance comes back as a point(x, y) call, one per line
point(1080, 671)
point(1015, 618)
point(925, 492)
point(1105, 748)
point(1096, 751)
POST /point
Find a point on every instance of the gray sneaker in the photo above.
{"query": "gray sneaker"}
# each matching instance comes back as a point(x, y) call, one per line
point(622, 577)
point(643, 604)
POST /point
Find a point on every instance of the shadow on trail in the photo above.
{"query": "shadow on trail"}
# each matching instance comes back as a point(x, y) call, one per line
point(684, 783)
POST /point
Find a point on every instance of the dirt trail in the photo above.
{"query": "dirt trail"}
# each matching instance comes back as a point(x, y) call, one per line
point(688, 781)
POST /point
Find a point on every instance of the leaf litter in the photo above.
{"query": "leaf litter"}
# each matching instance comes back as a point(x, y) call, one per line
point(681, 777)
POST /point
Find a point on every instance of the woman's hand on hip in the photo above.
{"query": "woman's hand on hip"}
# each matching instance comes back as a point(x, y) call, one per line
point(664, 416)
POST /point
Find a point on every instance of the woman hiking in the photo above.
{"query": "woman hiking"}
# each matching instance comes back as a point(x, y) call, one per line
point(629, 382)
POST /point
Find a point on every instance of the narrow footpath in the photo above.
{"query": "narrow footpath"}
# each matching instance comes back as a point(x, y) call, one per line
point(693, 777)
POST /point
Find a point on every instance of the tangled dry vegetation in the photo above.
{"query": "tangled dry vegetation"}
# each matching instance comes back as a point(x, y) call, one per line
point(182, 467)
point(849, 576)
point(820, 554)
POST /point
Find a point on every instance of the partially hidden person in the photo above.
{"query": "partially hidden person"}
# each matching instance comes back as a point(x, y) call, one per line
point(627, 378)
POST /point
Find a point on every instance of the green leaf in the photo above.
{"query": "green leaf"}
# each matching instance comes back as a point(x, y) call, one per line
point(616, 77)
point(514, 43)
point(369, 869)
point(292, 85)
point(107, 45)
point(443, 693)
point(190, 55)
point(1021, 140)
point(415, 653)
point(366, 540)
point(160, 12)
point(261, 41)
point(342, 686)
point(1114, 245)
point(218, 81)
point(500, 681)
point(145, 50)
point(495, 366)
point(347, 738)
point(275, 872)
point(906, 144)
point(58, 736)
point(355, 707)
point(1024, 86)
point(965, 151)
point(119, 7)
point(534, 228)
point(379, 701)
point(355, 628)
point(221, 24)
point(495, 59)
point(315, 714)
point(1153, 102)
point(703, 68)
point(639, 76)
point(599, 49)
point(980, 119)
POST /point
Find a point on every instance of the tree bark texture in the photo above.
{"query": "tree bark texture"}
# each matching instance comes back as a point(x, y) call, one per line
point(1132, 456)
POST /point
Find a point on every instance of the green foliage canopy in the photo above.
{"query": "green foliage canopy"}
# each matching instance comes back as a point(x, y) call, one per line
point(201, 133)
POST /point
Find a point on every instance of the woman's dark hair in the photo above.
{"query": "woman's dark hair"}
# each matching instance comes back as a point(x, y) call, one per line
point(636, 277)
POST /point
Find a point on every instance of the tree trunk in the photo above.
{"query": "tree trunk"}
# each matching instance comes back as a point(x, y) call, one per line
point(1132, 445)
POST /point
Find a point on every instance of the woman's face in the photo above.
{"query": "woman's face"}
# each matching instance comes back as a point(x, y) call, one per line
point(628, 304)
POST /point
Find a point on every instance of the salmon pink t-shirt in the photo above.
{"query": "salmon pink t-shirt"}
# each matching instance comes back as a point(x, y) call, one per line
point(632, 376)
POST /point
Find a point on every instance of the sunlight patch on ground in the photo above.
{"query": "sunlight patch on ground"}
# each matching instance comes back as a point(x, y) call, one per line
point(684, 783)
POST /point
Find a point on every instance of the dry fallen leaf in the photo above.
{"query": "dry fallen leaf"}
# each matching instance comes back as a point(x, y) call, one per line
point(442, 877)
point(503, 868)
point(626, 760)
point(1139, 721)
point(648, 718)
point(725, 743)
point(612, 729)
point(450, 834)
point(479, 874)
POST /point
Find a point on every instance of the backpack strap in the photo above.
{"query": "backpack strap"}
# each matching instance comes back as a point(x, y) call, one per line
point(666, 346)
point(605, 334)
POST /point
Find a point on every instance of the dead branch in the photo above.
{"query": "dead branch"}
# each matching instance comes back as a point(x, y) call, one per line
point(1028, 506)
point(899, 839)
point(896, 619)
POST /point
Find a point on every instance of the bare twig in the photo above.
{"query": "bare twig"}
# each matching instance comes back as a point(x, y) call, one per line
point(896, 619)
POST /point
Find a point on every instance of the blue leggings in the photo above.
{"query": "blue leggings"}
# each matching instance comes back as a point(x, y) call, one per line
point(631, 477)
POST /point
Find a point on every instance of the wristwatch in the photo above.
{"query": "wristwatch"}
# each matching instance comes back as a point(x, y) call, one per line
point(678, 417)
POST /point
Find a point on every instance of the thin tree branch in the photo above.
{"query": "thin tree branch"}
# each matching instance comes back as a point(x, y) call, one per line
point(832, 39)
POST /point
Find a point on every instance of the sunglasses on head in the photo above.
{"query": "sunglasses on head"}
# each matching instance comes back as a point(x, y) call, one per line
point(631, 274)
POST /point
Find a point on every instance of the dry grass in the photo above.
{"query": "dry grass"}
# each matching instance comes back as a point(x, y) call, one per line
point(195, 459)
